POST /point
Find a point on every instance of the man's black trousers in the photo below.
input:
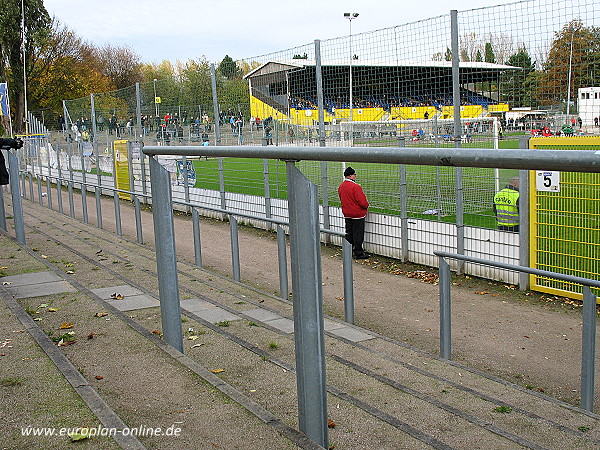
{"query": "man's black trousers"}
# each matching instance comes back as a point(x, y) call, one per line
point(355, 234)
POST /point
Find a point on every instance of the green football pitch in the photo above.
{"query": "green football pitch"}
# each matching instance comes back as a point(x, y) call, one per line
point(431, 192)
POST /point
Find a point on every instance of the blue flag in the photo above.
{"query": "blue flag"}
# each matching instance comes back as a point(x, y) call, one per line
point(3, 100)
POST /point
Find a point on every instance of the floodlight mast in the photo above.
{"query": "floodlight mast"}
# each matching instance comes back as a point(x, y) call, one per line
point(351, 17)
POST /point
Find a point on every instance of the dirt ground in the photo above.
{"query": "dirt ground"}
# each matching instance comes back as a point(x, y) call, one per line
point(526, 337)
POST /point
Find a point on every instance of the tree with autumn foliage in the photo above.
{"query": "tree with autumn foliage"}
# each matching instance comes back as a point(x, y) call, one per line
point(20, 35)
point(575, 51)
point(63, 66)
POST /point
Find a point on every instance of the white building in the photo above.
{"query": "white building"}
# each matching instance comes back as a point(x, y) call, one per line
point(589, 105)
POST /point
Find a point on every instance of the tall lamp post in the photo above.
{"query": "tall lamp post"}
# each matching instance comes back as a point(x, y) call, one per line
point(23, 37)
point(569, 79)
point(351, 17)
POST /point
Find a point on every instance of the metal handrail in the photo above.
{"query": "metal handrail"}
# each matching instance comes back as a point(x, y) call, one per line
point(588, 339)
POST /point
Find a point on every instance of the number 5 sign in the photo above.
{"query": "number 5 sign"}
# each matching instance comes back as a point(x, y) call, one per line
point(547, 181)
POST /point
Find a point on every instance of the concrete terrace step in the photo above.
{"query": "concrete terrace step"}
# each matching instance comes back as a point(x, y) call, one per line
point(381, 393)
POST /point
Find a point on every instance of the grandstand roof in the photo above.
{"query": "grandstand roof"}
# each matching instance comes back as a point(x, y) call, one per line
point(471, 66)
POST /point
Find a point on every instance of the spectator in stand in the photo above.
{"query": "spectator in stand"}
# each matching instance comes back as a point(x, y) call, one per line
point(61, 123)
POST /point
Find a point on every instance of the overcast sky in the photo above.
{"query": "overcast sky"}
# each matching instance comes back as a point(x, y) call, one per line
point(173, 30)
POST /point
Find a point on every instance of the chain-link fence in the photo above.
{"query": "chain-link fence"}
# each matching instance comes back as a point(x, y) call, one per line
point(483, 78)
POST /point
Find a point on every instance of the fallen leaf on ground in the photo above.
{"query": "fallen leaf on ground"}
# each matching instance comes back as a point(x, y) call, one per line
point(117, 296)
point(52, 309)
point(62, 343)
point(91, 335)
point(4, 267)
point(192, 338)
point(70, 272)
point(43, 305)
point(330, 423)
point(78, 436)
point(6, 283)
point(156, 332)
point(218, 370)
point(481, 292)
point(65, 325)
point(100, 314)
point(196, 345)
point(99, 377)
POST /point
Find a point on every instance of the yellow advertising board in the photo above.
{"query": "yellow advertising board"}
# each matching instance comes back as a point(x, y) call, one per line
point(121, 159)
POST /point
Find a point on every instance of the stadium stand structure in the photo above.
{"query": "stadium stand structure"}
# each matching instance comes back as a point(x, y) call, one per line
point(381, 91)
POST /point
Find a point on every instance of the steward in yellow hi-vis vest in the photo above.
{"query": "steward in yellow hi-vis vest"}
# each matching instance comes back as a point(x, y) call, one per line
point(506, 206)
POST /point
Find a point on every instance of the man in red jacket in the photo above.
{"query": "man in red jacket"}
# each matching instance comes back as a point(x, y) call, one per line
point(354, 208)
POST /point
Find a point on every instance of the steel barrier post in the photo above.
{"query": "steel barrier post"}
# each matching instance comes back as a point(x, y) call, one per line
point(99, 177)
point(59, 196)
point(588, 350)
point(71, 200)
point(39, 187)
point(83, 184)
point(197, 242)
point(186, 185)
point(235, 248)
point(2, 210)
point(309, 333)
point(48, 180)
point(267, 189)
point(31, 197)
point(222, 185)
point(24, 183)
point(84, 202)
point(119, 231)
point(524, 190)
point(98, 208)
point(445, 310)
point(282, 258)
point(403, 206)
point(70, 166)
point(59, 182)
point(138, 220)
point(348, 282)
point(143, 176)
point(325, 199)
point(166, 256)
point(17, 205)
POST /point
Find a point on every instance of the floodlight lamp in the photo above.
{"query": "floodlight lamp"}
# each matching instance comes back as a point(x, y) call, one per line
point(346, 14)
point(354, 15)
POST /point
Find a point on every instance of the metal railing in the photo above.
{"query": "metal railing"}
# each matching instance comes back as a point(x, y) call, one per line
point(588, 340)
point(304, 232)
point(303, 209)
point(193, 207)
